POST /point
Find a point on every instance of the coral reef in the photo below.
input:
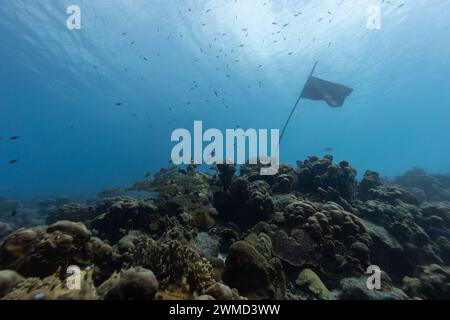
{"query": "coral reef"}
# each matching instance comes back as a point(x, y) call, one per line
point(308, 232)
point(436, 187)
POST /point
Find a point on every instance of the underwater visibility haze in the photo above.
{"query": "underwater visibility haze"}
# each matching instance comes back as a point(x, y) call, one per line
point(88, 110)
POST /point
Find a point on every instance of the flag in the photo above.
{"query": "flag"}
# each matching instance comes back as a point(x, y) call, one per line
point(317, 89)
point(332, 93)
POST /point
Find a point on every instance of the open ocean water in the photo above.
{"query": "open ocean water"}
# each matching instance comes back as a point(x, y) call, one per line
point(59, 87)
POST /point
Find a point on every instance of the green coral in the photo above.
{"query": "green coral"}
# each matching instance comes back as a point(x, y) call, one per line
point(311, 280)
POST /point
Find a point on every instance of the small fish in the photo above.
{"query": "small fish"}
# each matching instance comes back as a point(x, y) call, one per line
point(13, 161)
point(329, 149)
point(14, 138)
point(13, 213)
point(118, 104)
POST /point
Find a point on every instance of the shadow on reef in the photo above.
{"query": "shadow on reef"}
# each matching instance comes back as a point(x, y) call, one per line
point(308, 232)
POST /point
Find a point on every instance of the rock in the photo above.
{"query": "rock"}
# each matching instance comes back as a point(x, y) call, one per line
point(207, 245)
point(220, 291)
point(8, 280)
point(130, 284)
point(312, 282)
point(356, 289)
point(255, 276)
point(386, 251)
point(205, 297)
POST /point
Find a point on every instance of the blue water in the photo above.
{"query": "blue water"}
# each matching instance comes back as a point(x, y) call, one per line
point(59, 87)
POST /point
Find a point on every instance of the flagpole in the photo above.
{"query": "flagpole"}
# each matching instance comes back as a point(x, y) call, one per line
point(295, 106)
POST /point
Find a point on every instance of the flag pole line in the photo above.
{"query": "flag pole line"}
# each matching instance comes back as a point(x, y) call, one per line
point(293, 110)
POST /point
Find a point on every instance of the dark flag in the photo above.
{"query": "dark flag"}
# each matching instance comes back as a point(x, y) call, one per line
point(317, 89)
point(332, 93)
